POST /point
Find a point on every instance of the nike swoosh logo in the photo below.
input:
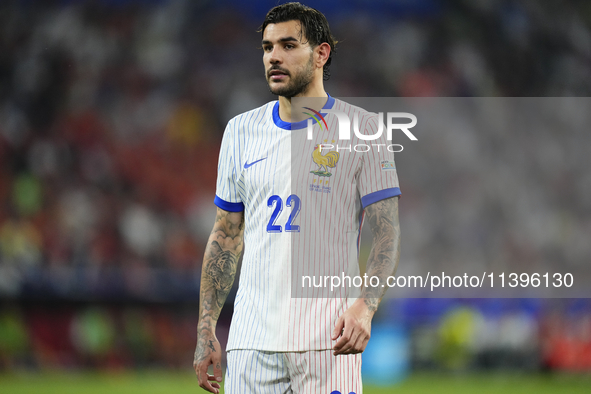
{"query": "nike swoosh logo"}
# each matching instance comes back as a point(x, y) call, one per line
point(246, 165)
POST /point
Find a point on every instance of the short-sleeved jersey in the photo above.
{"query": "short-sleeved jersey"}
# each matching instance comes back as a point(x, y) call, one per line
point(303, 209)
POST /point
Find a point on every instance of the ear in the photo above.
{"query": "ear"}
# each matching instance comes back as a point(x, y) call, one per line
point(322, 52)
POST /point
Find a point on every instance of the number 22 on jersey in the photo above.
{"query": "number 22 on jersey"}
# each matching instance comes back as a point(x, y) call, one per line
point(293, 202)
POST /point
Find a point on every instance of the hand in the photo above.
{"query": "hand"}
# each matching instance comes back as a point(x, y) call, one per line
point(208, 352)
point(354, 328)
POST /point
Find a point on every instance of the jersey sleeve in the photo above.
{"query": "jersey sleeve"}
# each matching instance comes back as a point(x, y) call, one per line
point(378, 178)
point(227, 195)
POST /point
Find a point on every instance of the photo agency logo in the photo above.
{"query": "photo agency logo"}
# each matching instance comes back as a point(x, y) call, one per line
point(344, 134)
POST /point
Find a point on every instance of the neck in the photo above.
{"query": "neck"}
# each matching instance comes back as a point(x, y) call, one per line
point(318, 99)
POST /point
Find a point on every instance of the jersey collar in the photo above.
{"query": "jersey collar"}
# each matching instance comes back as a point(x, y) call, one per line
point(297, 125)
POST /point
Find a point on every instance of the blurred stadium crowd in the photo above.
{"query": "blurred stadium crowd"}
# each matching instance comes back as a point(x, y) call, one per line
point(111, 115)
point(411, 334)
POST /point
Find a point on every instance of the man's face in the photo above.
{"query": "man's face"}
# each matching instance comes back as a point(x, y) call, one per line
point(289, 66)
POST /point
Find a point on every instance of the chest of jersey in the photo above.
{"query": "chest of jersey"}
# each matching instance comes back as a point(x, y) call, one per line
point(287, 181)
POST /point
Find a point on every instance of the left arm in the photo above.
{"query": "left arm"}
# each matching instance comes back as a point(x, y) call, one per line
point(354, 326)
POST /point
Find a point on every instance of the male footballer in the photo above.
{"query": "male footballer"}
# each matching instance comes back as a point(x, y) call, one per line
point(297, 207)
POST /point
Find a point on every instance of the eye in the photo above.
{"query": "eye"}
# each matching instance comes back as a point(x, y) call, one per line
point(267, 48)
point(289, 46)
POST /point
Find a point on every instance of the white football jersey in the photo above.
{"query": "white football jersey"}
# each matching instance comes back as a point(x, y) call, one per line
point(303, 208)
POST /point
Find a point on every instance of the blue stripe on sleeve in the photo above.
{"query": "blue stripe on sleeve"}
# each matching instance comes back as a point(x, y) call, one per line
point(379, 195)
point(228, 206)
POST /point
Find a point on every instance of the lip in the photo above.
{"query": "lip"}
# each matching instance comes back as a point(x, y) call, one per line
point(277, 75)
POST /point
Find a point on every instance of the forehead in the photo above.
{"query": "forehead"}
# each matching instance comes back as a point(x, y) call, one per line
point(277, 31)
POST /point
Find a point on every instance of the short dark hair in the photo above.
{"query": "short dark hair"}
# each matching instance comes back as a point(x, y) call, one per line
point(314, 26)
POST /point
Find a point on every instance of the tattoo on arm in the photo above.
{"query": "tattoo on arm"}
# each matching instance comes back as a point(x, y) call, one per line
point(385, 252)
point(222, 253)
point(219, 271)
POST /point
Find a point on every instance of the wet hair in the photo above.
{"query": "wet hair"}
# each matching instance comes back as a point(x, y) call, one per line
point(314, 25)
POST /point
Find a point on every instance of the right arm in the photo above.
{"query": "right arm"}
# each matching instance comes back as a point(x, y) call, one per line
point(222, 253)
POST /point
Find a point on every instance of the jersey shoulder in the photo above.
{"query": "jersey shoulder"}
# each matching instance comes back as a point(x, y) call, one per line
point(254, 118)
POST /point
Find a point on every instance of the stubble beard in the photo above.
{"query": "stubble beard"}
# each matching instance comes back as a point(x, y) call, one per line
point(299, 84)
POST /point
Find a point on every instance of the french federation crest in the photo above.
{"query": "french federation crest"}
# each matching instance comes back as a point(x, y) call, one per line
point(324, 161)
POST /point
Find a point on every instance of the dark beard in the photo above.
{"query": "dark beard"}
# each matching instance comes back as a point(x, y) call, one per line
point(298, 85)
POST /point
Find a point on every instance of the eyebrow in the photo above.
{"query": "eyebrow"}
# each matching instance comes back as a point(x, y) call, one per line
point(284, 39)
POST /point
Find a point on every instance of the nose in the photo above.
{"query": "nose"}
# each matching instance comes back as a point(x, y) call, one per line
point(274, 57)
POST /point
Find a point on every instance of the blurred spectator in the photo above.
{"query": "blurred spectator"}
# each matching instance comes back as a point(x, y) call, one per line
point(14, 339)
point(93, 335)
point(457, 338)
point(139, 335)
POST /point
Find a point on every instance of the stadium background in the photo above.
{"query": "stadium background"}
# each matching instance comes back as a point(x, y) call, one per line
point(111, 116)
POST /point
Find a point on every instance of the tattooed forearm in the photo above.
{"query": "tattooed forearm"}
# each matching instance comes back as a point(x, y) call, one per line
point(385, 252)
point(222, 253)
point(219, 273)
point(221, 260)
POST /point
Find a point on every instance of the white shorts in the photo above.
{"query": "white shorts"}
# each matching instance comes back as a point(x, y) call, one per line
point(313, 372)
